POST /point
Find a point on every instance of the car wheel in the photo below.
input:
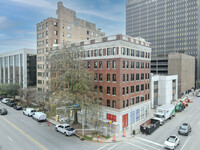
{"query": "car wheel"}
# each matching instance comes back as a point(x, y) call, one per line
point(65, 134)
point(56, 129)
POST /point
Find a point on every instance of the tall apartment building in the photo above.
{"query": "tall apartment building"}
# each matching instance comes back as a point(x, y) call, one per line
point(18, 66)
point(121, 66)
point(66, 28)
point(169, 25)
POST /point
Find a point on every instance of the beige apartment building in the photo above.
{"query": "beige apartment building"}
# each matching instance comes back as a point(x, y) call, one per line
point(65, 29)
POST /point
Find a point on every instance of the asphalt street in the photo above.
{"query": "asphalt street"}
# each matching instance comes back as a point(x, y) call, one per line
point(19, 132)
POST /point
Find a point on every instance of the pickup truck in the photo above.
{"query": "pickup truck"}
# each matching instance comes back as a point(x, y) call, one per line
point(149, 126)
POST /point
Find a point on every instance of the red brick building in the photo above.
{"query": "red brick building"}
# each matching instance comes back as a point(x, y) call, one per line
point(122, 70)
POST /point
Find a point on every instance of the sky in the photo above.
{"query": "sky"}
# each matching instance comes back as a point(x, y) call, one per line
point(18, 18)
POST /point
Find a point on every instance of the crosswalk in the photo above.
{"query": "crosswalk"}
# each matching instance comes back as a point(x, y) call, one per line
point(136, 143)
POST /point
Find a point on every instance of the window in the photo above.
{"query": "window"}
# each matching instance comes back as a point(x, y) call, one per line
point(47, 41)
point(55, 24)
point(132, 89)
point(142, 64)
point(100, 89)
point(95, 52)
point(123, 64)
point(88, 53)
point(63, 34)
point(137, 88)
point(114, 91)
point(127, 103)
point(137, 54)
point(108, 103)
point(108, 90)
point(127, 51)
point(146, 65)
point(142, 87)
point(142, 76)
point(145, 75)
point(137, 99)
point(95, 88)
point(46, 33)
point(95, 64)
point(127, 77)
point(108, 77)
point(114, 77)
point(145, 96)
point(148, 86)
point(40, 51)
point(132, 77)
point(145, 86)
point(142, 54)
point(40, 74)
point(132, 52)
point(68, 28)
point(100, 77)
point(55, 41)
point(108, 64)
point(114, 51)
point(132, 64)
point(92, 33)
point(88, 32)
point(127, 90)
point(68, 35)
point(40, 81)
point(142, 98)
point(100, 52)
point(114, 64)
point(100, 64)
point(123, 91)
point(137, 65)
point(95, 77)
point(137, 76)
point(108, 51)
point(127, 64)
point(123, 51)
point(123, 78)
point(148, 75)
point(113, 104)
point(88, 64)
point(132, 101)
point(123, 103)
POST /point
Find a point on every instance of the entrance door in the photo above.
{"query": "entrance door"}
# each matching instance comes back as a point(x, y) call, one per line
point(125, 121)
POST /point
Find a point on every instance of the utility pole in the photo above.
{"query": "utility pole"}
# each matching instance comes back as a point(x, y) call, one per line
point(83, 119)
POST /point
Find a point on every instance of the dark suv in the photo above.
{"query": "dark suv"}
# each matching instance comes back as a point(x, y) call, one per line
point(184, 129)
point(11, 103)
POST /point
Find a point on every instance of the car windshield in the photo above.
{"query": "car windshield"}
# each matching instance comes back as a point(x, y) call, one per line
point(183, 127)
point(158, 116)
point(171, 139)
point(70, 129)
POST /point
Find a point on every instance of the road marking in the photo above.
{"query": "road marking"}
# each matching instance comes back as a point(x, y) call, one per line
point(147, 145)
point(150, 141)
point(113, 146)
point(103, 146)
point(198, 123)
point(136, 146)
point(28, 136)
point(186, 142)
point(10, 139)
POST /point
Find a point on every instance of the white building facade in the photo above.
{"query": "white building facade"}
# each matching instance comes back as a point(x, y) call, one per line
point(18, 66)
point(164, 89)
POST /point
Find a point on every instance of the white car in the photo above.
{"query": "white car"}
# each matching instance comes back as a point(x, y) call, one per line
point(29, 111)
point(5, 100)
point(172, 142)
point(65, 129)
point(39, 116)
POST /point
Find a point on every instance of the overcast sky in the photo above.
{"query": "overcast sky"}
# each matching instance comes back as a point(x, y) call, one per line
point(18, 18)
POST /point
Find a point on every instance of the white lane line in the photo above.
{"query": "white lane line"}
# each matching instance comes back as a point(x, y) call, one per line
point(150, 141)
point(146, 145)
point(103, 146)
point(198, 123)
point(186, 142)
point(113, 146)
point(10, 139)
point(136, 146)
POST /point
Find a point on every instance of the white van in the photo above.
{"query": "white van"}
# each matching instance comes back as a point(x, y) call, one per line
point(39, 116)
point(29, 111)
point(5, 100)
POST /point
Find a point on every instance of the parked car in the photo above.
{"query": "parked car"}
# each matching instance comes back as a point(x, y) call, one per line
point(29, 111)
point(11, 103)
point(39, 116)
point(5, 100)
point(65, 129)
point(17, 107)
point(1, 98)
point(172, 142)
point(3, 111)
point(184, 129)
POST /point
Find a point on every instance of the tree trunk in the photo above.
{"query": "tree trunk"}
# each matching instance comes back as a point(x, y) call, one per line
point(75, 117)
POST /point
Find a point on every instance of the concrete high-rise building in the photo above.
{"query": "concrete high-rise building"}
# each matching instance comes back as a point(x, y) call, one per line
point(64, 29)
point(169, 25)
point(18, 66)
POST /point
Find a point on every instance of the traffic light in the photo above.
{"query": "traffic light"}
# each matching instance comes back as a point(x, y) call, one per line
point(71, 113)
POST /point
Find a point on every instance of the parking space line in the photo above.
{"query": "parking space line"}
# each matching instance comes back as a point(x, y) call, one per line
point(103, 146)
point(185, 142)
point(10, 139)
point(27, 135)
point(113, 146)
point(150, 141)
point(136, 146)
point(146, 145)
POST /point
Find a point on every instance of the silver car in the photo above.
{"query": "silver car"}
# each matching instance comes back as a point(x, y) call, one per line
point(184, 129)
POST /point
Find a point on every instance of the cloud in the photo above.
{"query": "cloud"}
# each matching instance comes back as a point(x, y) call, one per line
point(36, 3)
